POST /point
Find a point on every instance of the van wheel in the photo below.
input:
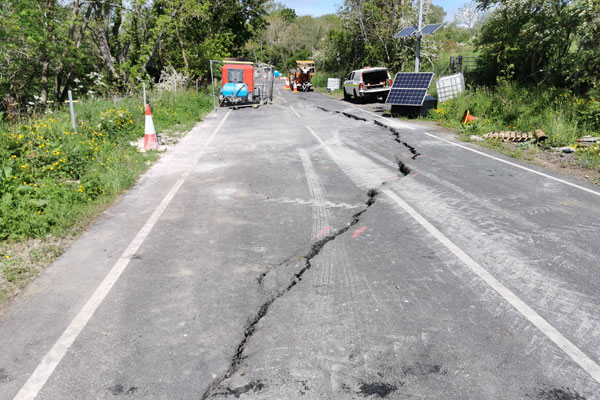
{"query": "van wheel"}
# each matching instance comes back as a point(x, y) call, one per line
point(346, 96)
point(356, 98)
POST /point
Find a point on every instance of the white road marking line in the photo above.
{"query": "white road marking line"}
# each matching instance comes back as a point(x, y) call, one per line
point(322, 142)
point(589, 365)
point(515, 165)
point(297, 115)
point(46, 367)
point(281, 97)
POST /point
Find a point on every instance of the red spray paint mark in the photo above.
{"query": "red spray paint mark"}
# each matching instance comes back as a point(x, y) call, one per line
point(358, 232)
point(323, 231)
point(415, 174)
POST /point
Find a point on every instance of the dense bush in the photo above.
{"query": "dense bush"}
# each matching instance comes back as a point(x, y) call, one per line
point(553, 42)
point(563, 116)
point(319, 79)
point(51, 177)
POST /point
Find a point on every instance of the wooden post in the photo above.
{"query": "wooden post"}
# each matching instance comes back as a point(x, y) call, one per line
point(72, 111)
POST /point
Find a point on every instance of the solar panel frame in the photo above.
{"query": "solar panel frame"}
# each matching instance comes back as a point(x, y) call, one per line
point(413, 80)
point(406, 97)
point(409, 88)
point(430, 29)
point(406, 32)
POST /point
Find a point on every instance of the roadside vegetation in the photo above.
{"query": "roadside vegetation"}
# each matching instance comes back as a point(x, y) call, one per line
point(562, 116)
point(54, 181)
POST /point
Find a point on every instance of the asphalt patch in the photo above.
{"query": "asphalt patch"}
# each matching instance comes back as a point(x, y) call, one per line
point(4, 376)
point(421, 369)
point(377, 389)
point(559, 394)
point(305, 387)
point(119, 389)
point(403, 168)
point(256, 386)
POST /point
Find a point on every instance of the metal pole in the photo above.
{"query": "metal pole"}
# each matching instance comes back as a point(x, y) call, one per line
point(418, 53)
point(212, 79)
point(196, 84)
point(144, 89)
point(418, 56)
point(72, 111)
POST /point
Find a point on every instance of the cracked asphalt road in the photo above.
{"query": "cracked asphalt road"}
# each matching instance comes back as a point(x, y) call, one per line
point(312, 249)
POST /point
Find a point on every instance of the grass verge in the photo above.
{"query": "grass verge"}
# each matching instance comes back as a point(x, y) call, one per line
point(338, 93)
point(54, 181)
point(508, 107)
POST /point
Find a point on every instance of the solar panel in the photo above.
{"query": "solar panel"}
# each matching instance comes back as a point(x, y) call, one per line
point(430, 29)
point(411, 30)
point(406, 32)
point(406, 97)
point(409, 88)
point(420, 80)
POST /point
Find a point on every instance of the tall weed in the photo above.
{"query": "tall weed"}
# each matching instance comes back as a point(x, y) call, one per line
point(560, 114)
point(52, 178)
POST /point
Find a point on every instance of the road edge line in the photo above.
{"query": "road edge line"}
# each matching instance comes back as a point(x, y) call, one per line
point(576, 354)
point(48, 364)
point(295, 112)
point(514, 164)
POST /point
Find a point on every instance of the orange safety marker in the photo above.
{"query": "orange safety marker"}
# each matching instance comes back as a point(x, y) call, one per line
point(467, 117)
point(150, 141)
point(287, 84)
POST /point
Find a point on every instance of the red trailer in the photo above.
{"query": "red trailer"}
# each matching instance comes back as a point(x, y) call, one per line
point(238, 72)
point(243, 83)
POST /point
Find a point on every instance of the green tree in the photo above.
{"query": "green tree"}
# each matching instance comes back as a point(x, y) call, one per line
point(366, 36)
point(551, 42)
point(50, 46)
point(436, 15)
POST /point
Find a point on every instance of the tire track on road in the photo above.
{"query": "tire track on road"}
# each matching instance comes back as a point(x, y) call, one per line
point(356, 167)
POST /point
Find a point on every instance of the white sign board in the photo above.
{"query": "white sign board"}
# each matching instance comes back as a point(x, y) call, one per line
point(449, 87)
point(333, 84)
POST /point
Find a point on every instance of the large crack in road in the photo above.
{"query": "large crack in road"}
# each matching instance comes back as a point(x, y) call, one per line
point(396, 134)
point(251, 324)
point(345, 114)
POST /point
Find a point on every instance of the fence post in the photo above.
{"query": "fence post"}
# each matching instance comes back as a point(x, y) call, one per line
point(72, 111)
point(212, 79)
point(144, 89)
point(196, 84)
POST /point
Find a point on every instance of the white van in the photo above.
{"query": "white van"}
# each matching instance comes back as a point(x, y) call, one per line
point(366, 83)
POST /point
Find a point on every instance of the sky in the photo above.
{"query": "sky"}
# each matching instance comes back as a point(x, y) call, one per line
point(320, 7)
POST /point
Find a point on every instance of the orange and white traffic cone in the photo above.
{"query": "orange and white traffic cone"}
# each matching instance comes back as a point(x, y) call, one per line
point(295, 87)
point(467, 117)
point(150, 142)
point(287, 84)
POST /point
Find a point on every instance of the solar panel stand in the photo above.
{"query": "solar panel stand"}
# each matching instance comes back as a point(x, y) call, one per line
point(419, 34)
point(419, 31)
